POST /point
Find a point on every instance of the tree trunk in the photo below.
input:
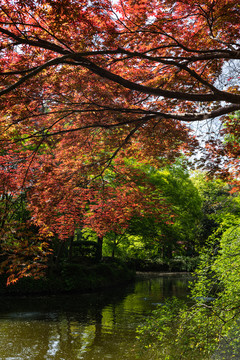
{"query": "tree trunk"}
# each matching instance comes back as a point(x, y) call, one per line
point(70, 248)
point(99, 249)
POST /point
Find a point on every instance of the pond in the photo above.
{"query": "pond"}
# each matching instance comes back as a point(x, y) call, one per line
point(91, 326)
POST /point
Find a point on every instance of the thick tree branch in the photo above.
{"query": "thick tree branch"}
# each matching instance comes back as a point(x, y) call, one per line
point(33, 73)
point(219, 96)
point(40, 43)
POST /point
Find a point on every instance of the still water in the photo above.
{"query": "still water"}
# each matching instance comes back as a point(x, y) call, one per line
point(91, 326)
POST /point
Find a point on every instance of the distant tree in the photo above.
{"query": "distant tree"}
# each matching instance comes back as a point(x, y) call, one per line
point(161, 237)
point(218, 203)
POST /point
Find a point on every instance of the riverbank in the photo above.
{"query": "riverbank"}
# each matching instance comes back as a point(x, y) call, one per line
point(176, 264)
point(88, 277)
point(72, 278)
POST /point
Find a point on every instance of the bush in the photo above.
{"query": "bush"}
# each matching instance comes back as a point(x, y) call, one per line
point(183, 263)
point(73, 277)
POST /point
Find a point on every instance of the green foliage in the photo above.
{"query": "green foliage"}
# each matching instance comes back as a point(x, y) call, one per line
point(177, 188)
point(209, 327)
point(149, 238)
point(183, 263)
point(72, 277)
point(160, 331)
point(81, 277)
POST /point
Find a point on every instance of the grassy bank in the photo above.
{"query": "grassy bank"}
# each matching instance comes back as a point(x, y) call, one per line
point(72, 278)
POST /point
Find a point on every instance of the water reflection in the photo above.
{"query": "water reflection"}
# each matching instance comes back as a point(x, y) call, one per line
point(94, 326)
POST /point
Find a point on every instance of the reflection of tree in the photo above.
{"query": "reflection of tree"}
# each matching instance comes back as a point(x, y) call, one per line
point(174, 287)
point(98, 323)
point(86, 326)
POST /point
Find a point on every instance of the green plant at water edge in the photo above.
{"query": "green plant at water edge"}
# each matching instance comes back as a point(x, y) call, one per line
point(201, 332)
point(208, 325)
point(175, 332)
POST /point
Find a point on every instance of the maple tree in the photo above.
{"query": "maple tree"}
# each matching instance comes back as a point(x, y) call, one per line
point(86, 84)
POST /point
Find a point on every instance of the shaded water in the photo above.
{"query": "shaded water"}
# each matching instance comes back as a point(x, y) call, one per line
point(91, 326)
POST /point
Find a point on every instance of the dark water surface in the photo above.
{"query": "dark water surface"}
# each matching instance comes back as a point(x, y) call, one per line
point(91, 326)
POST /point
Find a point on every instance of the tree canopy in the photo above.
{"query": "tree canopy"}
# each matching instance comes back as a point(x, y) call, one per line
point(86, 85)
point(107, 72)
point(149, 58)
